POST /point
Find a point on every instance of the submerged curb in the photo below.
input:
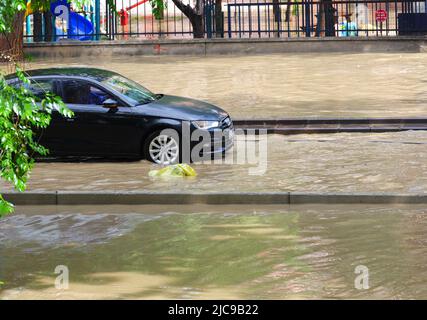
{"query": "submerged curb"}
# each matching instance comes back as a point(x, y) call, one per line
point(140, 198)
point(331, 125)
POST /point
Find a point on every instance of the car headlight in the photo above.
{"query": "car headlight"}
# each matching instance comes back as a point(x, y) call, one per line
point(206, 124)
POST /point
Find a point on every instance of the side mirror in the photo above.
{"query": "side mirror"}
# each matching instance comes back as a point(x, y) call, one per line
point(110, 104)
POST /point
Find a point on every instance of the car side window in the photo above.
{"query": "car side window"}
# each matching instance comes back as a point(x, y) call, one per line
point(39, 88)
point(81, 92)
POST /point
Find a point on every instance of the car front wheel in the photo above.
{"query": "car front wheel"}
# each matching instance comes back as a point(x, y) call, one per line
point(163, 147)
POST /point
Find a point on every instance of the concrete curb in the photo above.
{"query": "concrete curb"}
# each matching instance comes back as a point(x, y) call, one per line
point(32, 198)
point(139, 198)
point(356, 198)
point(204, 47)
point(332, 125)
point(130, 42)
point(332, 121)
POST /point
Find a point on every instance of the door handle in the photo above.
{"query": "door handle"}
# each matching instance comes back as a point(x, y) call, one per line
point(70, 119)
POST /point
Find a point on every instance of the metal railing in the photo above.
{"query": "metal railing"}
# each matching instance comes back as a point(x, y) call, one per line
point(233, 19)
point(318, 18)
point(135, 19)
point(132, 19)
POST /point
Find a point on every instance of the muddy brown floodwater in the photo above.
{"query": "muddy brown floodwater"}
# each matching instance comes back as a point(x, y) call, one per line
point(212, 252)
point(291, 85)
point(268, 252)
point(345, 162)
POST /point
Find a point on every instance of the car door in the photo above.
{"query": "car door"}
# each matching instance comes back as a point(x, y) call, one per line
point(97, 129)
point(47, 137)
point(60, 136)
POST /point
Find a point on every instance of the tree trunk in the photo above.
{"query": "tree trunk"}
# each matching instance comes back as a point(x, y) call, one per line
point(48, 26)
point(198, 26)
point(288, 13)
point(219, 19)
point(12, 44)
point(195, 15)
point(277, 14)
point(276, 11)
point(37, 26)
point(329, 19)
point(326, 19)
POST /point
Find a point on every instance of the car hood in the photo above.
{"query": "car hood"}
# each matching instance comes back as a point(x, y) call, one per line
point(182, 109)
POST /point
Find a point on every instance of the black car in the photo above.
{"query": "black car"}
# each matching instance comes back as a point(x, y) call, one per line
point(117, 117)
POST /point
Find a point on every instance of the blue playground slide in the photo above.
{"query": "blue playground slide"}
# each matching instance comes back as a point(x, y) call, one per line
point(79, 28)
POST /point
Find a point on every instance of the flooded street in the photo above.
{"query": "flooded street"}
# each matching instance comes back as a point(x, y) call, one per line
point(238, 251)
point(269, 252)
point(345, 162)
point(291, 85)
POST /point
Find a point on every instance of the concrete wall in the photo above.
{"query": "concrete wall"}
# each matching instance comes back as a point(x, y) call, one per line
point(66, 49)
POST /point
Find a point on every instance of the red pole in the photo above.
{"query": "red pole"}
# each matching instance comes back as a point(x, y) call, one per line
point(135, 5)
point(124, 16)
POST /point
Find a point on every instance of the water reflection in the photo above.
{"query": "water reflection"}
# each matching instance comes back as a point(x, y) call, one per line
point(232, 252)
point(68, 229)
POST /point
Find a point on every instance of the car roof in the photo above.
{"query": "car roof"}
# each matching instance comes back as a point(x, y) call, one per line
point(81, 72)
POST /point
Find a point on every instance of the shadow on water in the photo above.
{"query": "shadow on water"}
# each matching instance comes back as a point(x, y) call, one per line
point(235, 252)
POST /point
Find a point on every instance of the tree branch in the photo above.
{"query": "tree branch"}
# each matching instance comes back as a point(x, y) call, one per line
point(186, 9)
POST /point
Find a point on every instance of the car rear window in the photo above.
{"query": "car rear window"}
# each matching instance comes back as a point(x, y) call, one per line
point(38, 88)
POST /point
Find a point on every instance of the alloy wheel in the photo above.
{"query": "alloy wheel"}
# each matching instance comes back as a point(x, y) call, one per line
point(164, 149)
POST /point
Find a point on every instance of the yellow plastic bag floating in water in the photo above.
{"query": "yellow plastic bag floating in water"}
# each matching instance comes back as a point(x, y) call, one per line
point(175, 170)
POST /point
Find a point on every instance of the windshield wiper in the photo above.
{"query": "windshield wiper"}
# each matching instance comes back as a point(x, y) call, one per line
point(153, 98)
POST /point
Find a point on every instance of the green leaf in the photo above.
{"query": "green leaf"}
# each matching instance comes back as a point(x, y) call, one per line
point(5, 207)
point(20, 115)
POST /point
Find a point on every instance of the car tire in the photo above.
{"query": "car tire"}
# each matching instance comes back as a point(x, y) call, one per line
point(163, 147)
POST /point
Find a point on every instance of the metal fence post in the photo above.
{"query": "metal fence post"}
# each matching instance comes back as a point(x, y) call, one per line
point(28, 28)
point(208, 19)
point(97, 19)
point(307, 19)
point(229, 20)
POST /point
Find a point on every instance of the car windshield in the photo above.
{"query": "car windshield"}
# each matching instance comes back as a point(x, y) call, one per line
point(130, 89)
